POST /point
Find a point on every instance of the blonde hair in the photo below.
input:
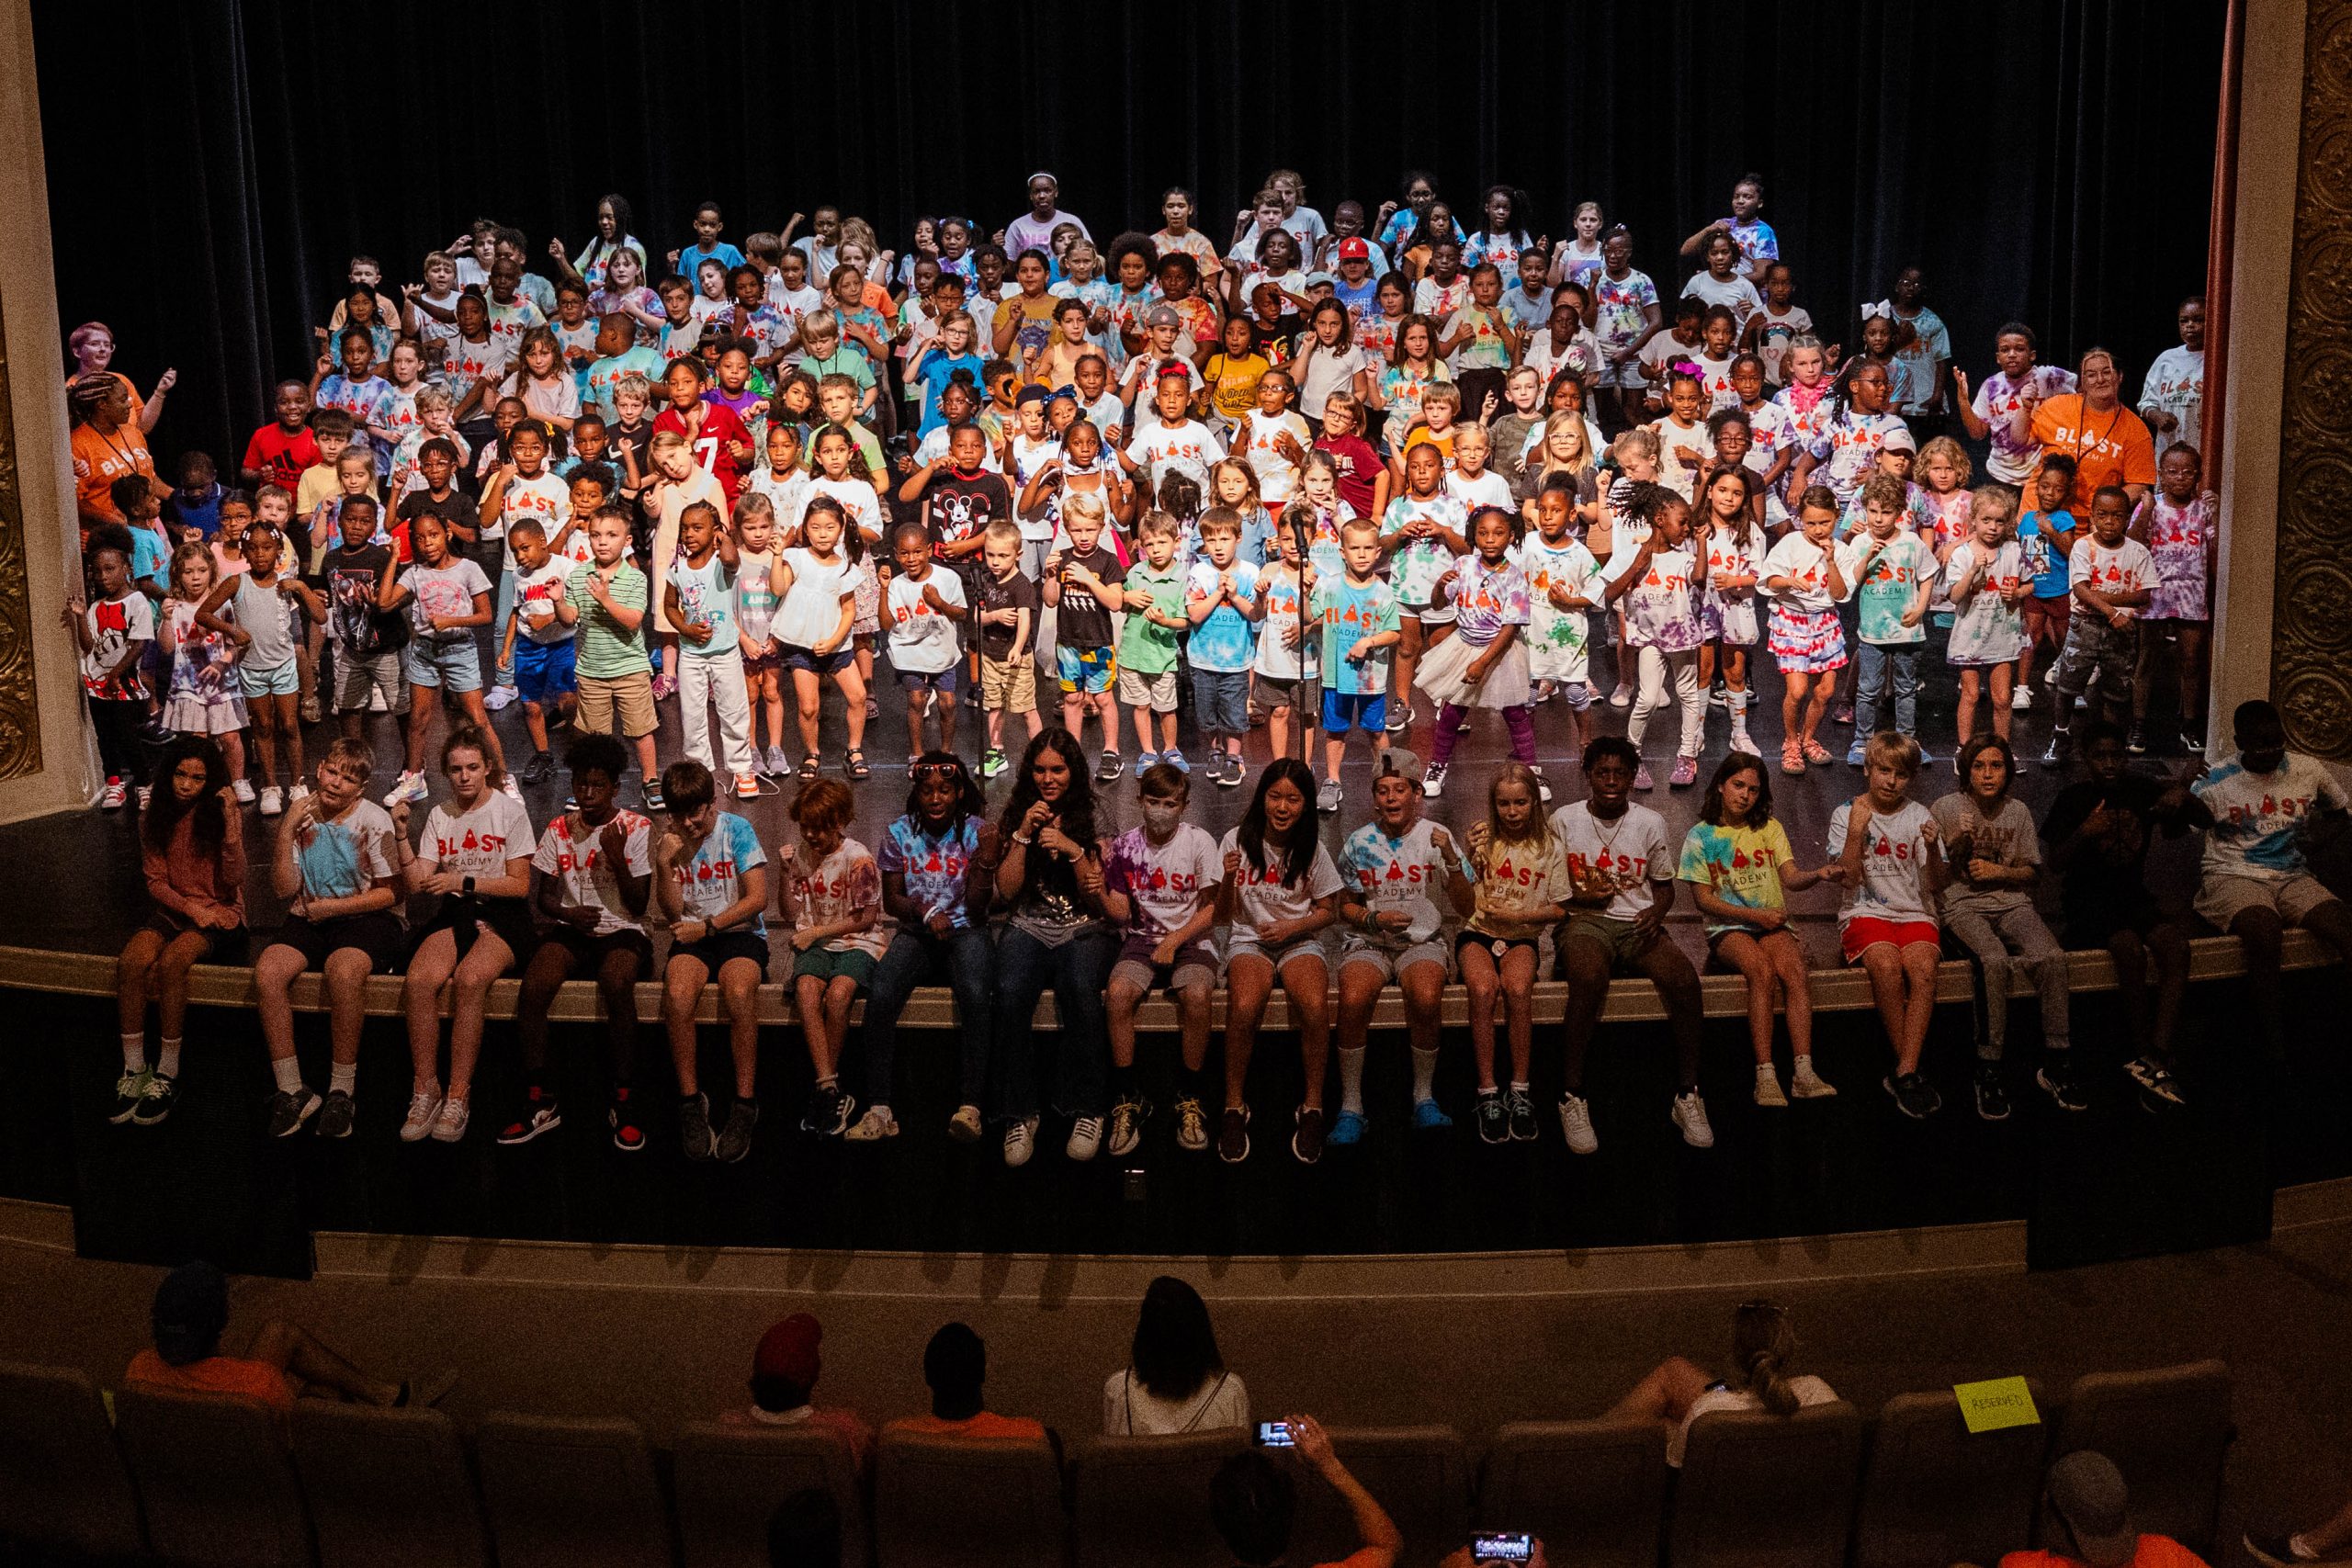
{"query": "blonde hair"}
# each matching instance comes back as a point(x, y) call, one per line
point(1763, 1344)
point(1002, 533)
point(1234, 465)
point(1999, 498)
point(1496, 838)
point(1641, 441)
point(1944, 446)
point(666, 441)
point(1085, 503)
point(1888, 746)
point(1573, 425)
point(1444, 392)
point(633, 385)
point(431, 396)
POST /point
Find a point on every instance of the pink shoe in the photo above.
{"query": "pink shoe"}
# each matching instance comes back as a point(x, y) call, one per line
point(665, 687)
point(1641, 779)
point(1686, 773)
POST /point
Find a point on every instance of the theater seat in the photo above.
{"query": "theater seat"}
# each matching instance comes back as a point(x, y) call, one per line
point(387, 1488)
point(728, 1481)
point(2167, 1430)
point(1937, 1493)
point(1594, 1491)
point(1144, 1501)
point(975, 1502)
point(1420, 1474)
point(571, 1493)
point(218, 1484)
point(62, 1485)
point(1763, 1491)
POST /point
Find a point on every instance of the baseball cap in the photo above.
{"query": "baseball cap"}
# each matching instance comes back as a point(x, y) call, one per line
point(1395, 759)
point(1900, 441)
point(2086, 1491)
point(1032, 393)
point(191, 1309)
point(788, 1351)
point(1325, 278)
point(1162, 316)
point(1354, 250)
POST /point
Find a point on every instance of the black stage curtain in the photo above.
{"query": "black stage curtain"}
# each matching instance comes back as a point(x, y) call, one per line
point(212, 164)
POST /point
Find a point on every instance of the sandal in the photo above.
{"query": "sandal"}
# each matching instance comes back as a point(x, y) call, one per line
point(854, 760)
point(1818, 754)
point(1792, 758)
point(808, 767)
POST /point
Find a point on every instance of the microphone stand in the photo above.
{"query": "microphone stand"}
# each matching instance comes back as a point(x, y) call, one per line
point(1305, 686)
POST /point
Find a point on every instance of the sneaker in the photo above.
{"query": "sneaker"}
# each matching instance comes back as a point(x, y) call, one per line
point(1428, 1118)
point(1146, 761)
point(450, 1125)
point(498, 698)
point(1927, 757)
point(1854, 755)
point(774, 763)
point(129, 1089)
point(1019, 1140)
point(1542, 788)
point(991, 762)
point(628, 1135)
point(1232, 1134)
point(1400, 719)
point(1522, 1107)
point(1347, 1130)
point(273, 801)
point(1743, 743)
point(1768, 1091)
point(1992, 1096)
point(747, 787)
point(1685, 774)
point(1126, 1126)
point(1914, 1095)
point(1806, 1084)
point(539, 1115)
point(1232, 771)
point(1493, 1121)
point(143, 795)
point(734, 1140)
point(297, 792)
point(510, 789)
point(828, 1112)
point(1622, 698)
point(695, 1135)
point(1192, 1125)
point(538, 770)
point(2192, 743)
point(1641, 779)
point(289, 1110)
point(1085, 1137)
point(1112, 766)
point(423, 1109)
point(155, 1101)
point(1433, 782)
point(2021, 699)
point(964, 1126)
point(1690, 1115)
point(2060, 744)
point(1176, 759)
point(1327, 798)
point(650, 793)
point(337, 1113)
point(1575, 1124)
point(2158, 1087)
point(665, 687)
point(155, 732)
point(2057, 1080)
point(313, 710)
point(1845, 713)
point(1307, 1134)
point(876, 1124)
point(2135, 740)
point(243, 789)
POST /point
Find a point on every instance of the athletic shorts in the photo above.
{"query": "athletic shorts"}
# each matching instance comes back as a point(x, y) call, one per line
point(1240, 948)
point(1863, 933)
point(377, 934)
point(588, 950)
point(1497, 947)
point(715, 951)
point(1622, 938)
point(545, 670)
point(1085, 670)
point(1196, 967)
point(1344, 711)
point(509, 918)
point(853, 964)
point(1392, 961)
point(271, 680)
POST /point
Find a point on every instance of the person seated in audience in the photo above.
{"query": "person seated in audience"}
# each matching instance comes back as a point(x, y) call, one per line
point(784, 1387)
point(1253, 1501)
point(2086, 1519)
point(1762, 1343)
point(191, 1313)
point(956, 1363)
point(1174, 1380)
point(805, 1531)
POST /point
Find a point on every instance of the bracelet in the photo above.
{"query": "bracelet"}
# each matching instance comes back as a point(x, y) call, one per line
point(1023, 840)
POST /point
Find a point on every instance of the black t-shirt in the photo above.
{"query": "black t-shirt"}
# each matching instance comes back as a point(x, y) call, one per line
point(356, 625)
point(1080, 621)
point(451, 508)
point(1014, 592)
point(2104, 883)
point(1277, 339)
point(960, 507)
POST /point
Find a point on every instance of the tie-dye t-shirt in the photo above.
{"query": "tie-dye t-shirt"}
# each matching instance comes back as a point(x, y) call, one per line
point(1348, 613)
point(2012, 459)
point(1222, 640)
point(1487, 598)
point(1885, 588)
point(2259, 817)
point(1417, 564)
point(711, 879)
point(1557, 640)
point(2180, 536)
point(1739, 865)
point(936, 866)
point(1618, 304)
point(1662, 607)
point(1847, 447)
point(1399, 873)
point(343, 857)
point(1164, 883)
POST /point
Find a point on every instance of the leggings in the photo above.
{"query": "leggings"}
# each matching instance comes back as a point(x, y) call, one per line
point(1660, 669)
point(119, 746)
point(1521, 721)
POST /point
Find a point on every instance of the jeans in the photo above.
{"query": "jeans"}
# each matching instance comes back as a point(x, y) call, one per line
point(1078, 970)
point(505, 676)
point(914, 956)
point(2003, 941)
point(1869, 687)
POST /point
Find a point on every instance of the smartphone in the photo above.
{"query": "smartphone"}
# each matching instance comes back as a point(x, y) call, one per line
point(1503, 1546)
point(1275, 1435)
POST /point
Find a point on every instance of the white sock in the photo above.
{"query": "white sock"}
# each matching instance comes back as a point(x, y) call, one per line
point(343, 1076)
point(1352, 1078)
point(1804, 1062)
point(288, 1073)
point(134, 1053)
point(2297, 1546)
point(1424, 1073)
point(1520, 1084)
point(1737, 703)
point(167, 1058)
point(1764, 1072)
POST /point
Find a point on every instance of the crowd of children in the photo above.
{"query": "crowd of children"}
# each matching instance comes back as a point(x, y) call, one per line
point(1289, 484)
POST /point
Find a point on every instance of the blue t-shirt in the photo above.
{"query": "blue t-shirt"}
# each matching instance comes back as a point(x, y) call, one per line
point(694, 255)
point(2042, 555)
point(199, 510)
point(713, 879)
point(706, 593)
point(936, 866)
point(150, 557)
point(1226, 640)
point(939, 367)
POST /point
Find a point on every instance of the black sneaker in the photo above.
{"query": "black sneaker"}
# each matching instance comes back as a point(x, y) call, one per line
point(2159, 1091)
point(1522, 1107)
point(628, 1135)
point(289, 1110)
point(693, 1127)
point(734, 1140)
point(1914, 1095)
point(2061, 744)
point(336, 1116)
point(129, 1090)
point(1492, 1116)
point(2057, 1080)
point(539, 1115)
point(156, 1100)
point(651, 792)
point(828, 1113)
point(537, 771)
point(1112, 766)
point(1992, 1098)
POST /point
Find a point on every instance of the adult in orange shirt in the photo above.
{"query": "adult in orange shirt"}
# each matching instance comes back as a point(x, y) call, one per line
point(108, 445)
point(784, 1380)
point(956, 1363)
point(2109, 444)
point(191, 1312)
point(92, 345)
point(2086, 1519)
point(1253, 1502)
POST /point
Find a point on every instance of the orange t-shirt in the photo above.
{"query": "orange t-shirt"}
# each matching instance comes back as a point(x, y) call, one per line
point(855, 1434)
point(2153, 1552)
point(986, 1424)
point(99, 460)
point(215, 1374)
point(2110, 448)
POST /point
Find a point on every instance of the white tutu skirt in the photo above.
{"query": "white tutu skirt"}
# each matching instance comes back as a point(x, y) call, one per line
point(202, 715)
point(1506, 685)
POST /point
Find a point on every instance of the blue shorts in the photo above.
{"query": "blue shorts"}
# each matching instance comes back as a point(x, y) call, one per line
point(817, 663)
point(1221, 701)
point(545, 669)
point(453, 666)
point(1085, 670)
point(941, 680)
point(271, 680)
point(1344, 711)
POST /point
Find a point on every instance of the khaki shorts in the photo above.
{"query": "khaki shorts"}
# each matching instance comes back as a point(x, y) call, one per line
point(630, 695)
point(1393, 962)
point(1009, 685)
point(2222, 898)
point(1156, 693)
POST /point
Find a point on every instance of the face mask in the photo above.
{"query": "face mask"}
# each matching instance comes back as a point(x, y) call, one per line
point(1159, 819)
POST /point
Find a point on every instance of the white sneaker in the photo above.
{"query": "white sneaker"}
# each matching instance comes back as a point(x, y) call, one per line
point(513, 791)
point(1576, 1124)
point(1806, 1084)
point(273, 801)
point(408, 786)
point(2021, 700)
point(1085, 1137)
point(1768, 1089)
point(243, 789)
point(778, 764)
point(1020, 1141)
point(297, 792)
point(450, 1125)
point(1691, 1115)
point(876, 1124)
point(113, 795)
point(1433, 785)
point(497, 697)
point(424, 1111)
point(1742, 741)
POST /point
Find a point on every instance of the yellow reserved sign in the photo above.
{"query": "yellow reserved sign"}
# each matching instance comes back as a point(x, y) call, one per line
point(1996, 1402)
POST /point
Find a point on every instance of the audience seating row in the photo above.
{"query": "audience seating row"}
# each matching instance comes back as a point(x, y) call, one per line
point(217, 1483)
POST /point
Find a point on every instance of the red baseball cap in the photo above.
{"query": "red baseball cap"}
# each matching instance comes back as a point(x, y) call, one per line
point(788, 1350)
point(1354, 250)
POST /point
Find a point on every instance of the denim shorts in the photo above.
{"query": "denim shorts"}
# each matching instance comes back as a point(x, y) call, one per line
point(271, 680)
point(1221, 701)
point(454, 665)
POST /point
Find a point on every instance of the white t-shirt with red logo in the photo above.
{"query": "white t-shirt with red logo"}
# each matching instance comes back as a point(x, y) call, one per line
point(842, 886)
point(1894, 886)
point(2118, 569)
point(477, 843)
point(573, 852)
point(1629, 851)
point(1164, 883)
point(1263, 900)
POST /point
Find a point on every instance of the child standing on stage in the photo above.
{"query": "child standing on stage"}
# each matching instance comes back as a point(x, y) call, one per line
point(1152, 594)
point(924, 611)
point(1078, 584)
point(2183, 536)
point(204, 695)
point(1888, 861)
point(1655, 581)
point(1220, 598)
point(1520, 878)
point(1563, 585)
point(1286, 654)
point(607, 597)
point(1986, 582)
point(2112, 576)
point(1893, 574)
point(1422, 533)
point(1484, 664)
point(1160, 883)
point(1802, 576)
point(1731, 559)
point(257, 602)
point(832, 889)
point(1358, 615)
point(816, 589)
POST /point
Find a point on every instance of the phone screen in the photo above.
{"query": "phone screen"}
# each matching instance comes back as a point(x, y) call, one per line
point(1275, 1435)
point(1503, 1546)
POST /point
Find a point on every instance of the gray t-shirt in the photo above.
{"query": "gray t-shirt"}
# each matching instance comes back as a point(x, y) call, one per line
point(2008, 838)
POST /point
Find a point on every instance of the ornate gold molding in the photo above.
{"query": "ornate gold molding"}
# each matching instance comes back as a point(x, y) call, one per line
point(19, 698)
point(2311, 647)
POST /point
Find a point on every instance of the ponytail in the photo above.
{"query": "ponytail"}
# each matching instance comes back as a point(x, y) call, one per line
point(1762, 1344)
